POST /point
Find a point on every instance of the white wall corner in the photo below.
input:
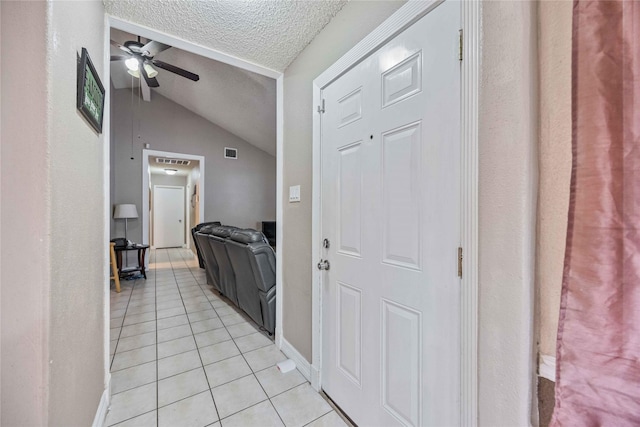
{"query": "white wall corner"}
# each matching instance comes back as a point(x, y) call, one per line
point(301, 363)
point(279, 205)
point(103, 407)
point(547, 368)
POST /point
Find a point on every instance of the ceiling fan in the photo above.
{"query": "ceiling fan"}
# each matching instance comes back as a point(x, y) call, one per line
point(139, 60)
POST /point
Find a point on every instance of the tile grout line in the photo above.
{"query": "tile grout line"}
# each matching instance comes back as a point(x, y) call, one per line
point(186, 273)
point(115, 350)
point(245, 361)
point(110, 368)
point(155, 280)
point(198, 349)
point(253, 372)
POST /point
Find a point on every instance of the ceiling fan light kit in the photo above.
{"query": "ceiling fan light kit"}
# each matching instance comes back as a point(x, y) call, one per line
point(151, 72)
point(132, 64)
point(139, 60)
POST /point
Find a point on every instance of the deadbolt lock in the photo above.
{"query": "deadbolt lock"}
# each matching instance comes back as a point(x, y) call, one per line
point(326, 243)
point(323, 265)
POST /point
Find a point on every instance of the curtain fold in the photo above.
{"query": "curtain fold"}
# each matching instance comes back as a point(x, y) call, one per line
point(598, 353)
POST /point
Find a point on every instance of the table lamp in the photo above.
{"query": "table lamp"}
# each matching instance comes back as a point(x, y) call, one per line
point(125, 211)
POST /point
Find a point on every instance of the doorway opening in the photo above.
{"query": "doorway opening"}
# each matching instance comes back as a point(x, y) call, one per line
point(133, 122)
point(175, 190)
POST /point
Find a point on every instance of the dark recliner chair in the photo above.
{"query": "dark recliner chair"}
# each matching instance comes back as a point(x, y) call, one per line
point(226, 276)
point(210, 263)
point(254, 264)
point(194, 230)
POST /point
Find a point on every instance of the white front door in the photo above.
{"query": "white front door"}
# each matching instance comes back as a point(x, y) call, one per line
point(168, 216)
point(391, 213)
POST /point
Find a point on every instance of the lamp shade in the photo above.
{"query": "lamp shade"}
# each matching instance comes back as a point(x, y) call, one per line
point(125, 211)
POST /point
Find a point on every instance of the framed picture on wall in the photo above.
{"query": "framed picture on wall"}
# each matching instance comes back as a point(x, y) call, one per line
point(90, 97)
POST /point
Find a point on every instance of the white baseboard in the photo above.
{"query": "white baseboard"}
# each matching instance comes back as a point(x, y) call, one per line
point(301, 363)
point(105, 401)
point(547, 367)
point(278, 337)
point(315, 378)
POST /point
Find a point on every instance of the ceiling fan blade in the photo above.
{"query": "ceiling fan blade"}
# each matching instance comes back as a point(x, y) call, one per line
point(119, 57)
point(150, 81)
point(121, 47)
point(146, 92)
point(177, 70)
point(154, 48)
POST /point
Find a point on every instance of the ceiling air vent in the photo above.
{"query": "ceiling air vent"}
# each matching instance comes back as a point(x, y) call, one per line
point(179, 162)
point(230, 153)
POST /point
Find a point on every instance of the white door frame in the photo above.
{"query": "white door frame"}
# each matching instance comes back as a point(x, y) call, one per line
point(145, 185)
point(404, 17)
point(121, 24)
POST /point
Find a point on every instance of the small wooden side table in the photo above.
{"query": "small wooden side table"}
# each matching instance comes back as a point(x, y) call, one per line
point(142, 250)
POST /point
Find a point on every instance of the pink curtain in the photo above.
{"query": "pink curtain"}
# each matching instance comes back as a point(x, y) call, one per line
point(598, 355)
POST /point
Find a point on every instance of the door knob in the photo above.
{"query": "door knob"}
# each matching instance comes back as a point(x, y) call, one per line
point(323, 265)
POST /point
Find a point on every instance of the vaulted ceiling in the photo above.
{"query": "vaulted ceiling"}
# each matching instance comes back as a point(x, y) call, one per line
point(268, 33)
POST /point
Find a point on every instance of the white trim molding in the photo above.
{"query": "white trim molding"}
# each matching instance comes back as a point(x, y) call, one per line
point(301, 363)
point(403, 18)
point(103, 407)
point(279, 204)
point(469, 91)
point(106, 208)
point(547, 367)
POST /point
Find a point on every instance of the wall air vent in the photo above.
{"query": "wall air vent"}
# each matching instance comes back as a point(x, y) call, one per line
point(179, 162)
point(230, 153)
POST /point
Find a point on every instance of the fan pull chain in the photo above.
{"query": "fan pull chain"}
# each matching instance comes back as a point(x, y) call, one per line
point(132, 117)
point(139, 109)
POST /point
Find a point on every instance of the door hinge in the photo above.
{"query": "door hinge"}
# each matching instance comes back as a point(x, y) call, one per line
point(460, 44)
point(321, 108)
point(460, 262)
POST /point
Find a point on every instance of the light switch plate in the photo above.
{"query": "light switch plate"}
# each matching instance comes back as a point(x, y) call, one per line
point(294, 193)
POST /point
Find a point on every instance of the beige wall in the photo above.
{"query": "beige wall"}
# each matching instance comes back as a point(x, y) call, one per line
point(554, 162)
point(52, 219)
point(346, 29)
point(507, 209)
point(76, 156)
point(25, 252)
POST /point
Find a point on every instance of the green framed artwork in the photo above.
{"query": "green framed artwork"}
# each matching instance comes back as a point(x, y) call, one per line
point(90, 92)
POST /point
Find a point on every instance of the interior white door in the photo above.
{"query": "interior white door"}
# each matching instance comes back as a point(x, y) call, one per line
point(168, 216)
point(390, 210)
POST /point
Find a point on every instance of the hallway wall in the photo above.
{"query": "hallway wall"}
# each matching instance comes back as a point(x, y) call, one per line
point(555, 163)
point(238, 192)
point(53, 218)
point(330, 44)
point(507, 194)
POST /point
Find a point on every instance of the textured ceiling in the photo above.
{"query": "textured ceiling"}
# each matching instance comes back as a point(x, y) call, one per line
point(239, 101)
point(269, 33)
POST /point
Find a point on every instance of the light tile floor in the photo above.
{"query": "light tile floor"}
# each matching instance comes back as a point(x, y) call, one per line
point(182, 356)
